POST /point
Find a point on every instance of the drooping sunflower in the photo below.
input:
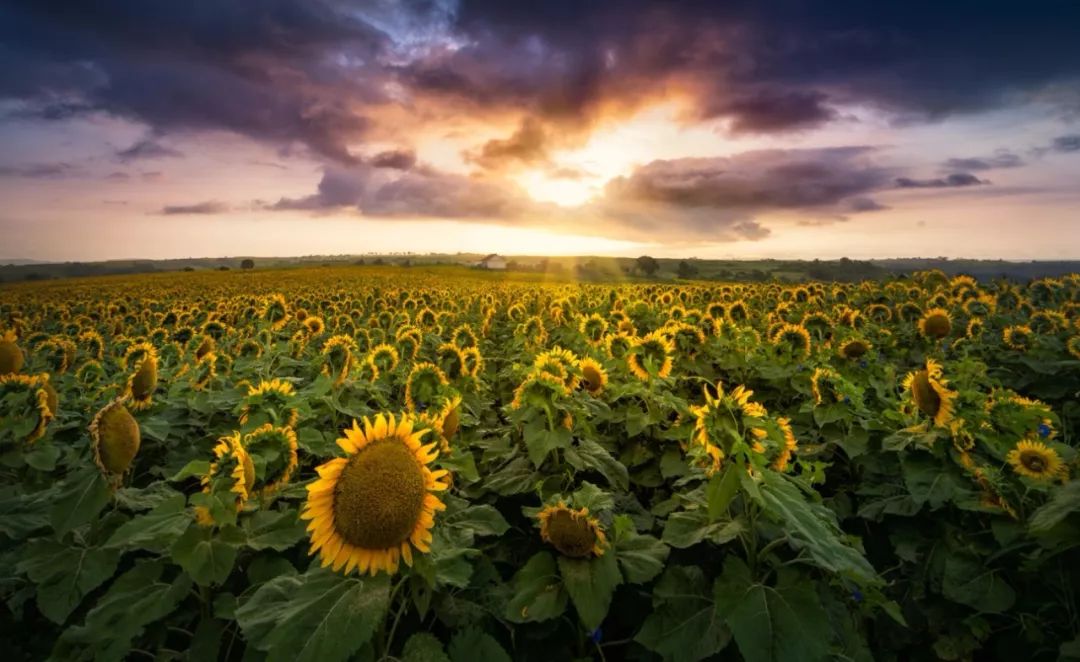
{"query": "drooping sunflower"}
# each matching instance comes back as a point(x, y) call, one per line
point(790, 445)
point(231, 470)
point(561, 364)
point(822, 386)
point(1072, 345)
point(274, 400)
point(793, 337)
point(451, 360)
point(143, 380)
point(1036, 460)
point(935, 324)
point(314, 325)
point(975, 328)
point(204, 371)
point(651, 357)
point(368, 510)
point(593, 327)
point(11, 355)
point(572, 532)
point(618, 345)
point(539, 389)
point(928, 389)
point(385, 356)
point(36, 397)
point(854, 348)
point(423, 386)
point(273, 451)
point(474, 361)
point(1018, 337)
point(338, 354)
point(114, 439)
point(593, 376)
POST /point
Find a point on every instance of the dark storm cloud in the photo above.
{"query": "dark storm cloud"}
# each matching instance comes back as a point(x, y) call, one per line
point(147, 149)
point(1065, 144)
point(201, 208)
point(772, 111)
point(397, 159)
point(527, 145)
point(1000, 159)
point(37, 170)
point(955, 180)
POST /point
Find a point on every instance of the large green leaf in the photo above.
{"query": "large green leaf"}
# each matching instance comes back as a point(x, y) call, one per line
point(688, 528)
point(319, 616)
point(64, 574)
point(587, 454)
point(82, 498)
point(207, 554)
point(155, 531)
point(683, 625)
point(969, 582)
point(424, 647)
point(538, 592)
point(1064, 501)
point(782, 623)
point(591, 584)
point(472, 645)
point(134, 601)
point(641, 557)
point(721, 489)
point(813, 527)
point(930, 481)
point(277, 530)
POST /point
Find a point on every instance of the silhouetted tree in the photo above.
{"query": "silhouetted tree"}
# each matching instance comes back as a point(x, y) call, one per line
point(687, 270)
point(647, 265)
point(247, 264)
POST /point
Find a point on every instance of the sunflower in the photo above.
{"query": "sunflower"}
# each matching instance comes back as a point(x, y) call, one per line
point(142, 382)
point(338, 354)
point(370, 509)
point(572, 532)
point(790, 445)
point(822, 385)
point(474, 361)
point(450, 359)
point(593, 376)
point(1036, 460)
point(935, 323)
point(423, 386)
point(561, 364)
point(618, 345)
point(539, 389)
point(274, 449)
point(37, 395)
point(231, 470)
point(651, 357)
point(1073, 347)
point(1017, 337)
point(385, 356)
point(114, 439)
point(314, 325)
point(593, 328)
point(854, 348)
point(794, 337)
point(204, 371)
point(928, 390)
point(274, 400)
point(975, 328)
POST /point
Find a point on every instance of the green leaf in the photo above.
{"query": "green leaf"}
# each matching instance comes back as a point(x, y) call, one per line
point(785, 623)
point(539, 441)
point(155, 531)
point(721, 489)
point(588, 454)
point(64, 574)
point(929, 481)
point(683, 625)
point(592, 497)
point(479, 520)
point(82, 498)
point(146, 498)
point(591, 584)
point(276, 530)
point(319, 616)
point(195, 468)
point(969, 582)
point(1064, 502)
point(139, 597)
point(689, 527)
point(538, 593)
point(472, 645)
point(641, 557)
point(424, 647)
point(42, 455)
point(25, 513)
point(207, 554)
point(813, 527)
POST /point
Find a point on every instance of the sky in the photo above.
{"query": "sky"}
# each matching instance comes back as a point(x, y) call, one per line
point(710, 129)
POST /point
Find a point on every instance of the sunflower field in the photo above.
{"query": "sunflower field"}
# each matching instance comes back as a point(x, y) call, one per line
point(365, 463)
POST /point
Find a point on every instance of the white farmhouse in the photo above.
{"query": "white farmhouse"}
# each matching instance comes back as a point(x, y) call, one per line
point(492, 261)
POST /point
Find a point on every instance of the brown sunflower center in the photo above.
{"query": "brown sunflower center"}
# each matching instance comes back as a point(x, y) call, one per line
point(145, 381)
point(379, 496)
point(854, 349)
point(1033, 462)
point(572, 536)
point(591, 377)
point(925, 396)
point(938, 326)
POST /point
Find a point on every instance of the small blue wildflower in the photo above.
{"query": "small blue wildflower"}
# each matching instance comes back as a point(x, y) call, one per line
point(1044, 430)
point(596, 635)
point(863, 363)
point(857, 595)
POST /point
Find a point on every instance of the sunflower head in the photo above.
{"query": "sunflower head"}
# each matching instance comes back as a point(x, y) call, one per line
point(593, 376)
point(794, 338)
point(115, 438)
point(337, 356)
point(651, 357)
point(593, 328)
point(231, 471)
point(1018, 337)
point(204, 371)
point(474, 361)
point(823, 386)
point(271, 401)
point(143, 381)
point(275, 311)
point(540, 390)
point(935, 324)
point(929, 392)
point(273, 453)
point(370, 509)
point(11, 355)
point(1036, 460)
point(385, 356)
point(423, 386)
point(561, 364)
point(854, 348)
point(1073, 347)
point(450, 359)
point(572, 532)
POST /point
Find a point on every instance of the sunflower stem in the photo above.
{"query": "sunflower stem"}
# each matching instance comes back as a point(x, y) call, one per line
point(387, 639)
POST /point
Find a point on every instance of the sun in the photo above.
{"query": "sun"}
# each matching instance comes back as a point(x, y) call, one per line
point(566, 189)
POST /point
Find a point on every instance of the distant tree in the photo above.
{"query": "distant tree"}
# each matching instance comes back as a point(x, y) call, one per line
point(189, 268)
point(378, 261)
point(360, 262)
point(647, 265)
point(223, 268)
point(687, 270)
point(406, 263)
point(247, 264)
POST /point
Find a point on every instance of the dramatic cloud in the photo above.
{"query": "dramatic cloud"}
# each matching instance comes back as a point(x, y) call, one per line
point(201, 208)
point(527, 145)
point(37, 170)
point(1065, 144)
point(399, 159)
point(955, 180)
point(147, 149)
point(1000, 159)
